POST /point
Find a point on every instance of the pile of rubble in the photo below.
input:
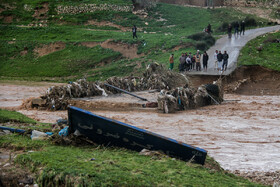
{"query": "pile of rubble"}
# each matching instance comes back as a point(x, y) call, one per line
point(189, 98)
point(155, 77)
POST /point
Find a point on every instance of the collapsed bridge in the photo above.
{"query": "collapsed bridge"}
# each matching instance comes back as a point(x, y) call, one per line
point(174, 92)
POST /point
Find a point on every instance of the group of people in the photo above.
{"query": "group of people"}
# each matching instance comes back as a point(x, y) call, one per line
point(221, 60)
point(236, 29)
point(189, 62)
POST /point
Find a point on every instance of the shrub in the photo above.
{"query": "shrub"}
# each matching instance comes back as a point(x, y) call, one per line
point(210, 40)
point(249, 21)
point(201, 45)
point(223, 27)
point(198, 36)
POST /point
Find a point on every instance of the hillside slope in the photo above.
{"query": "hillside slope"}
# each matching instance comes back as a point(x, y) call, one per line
point(62, 41)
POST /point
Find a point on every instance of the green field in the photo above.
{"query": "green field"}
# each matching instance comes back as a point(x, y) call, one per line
point(165, 27)
point(267, 57)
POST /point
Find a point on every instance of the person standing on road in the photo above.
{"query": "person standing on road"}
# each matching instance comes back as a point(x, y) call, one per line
point(182, 61)
point(192, 61)
point(225, 61)
point(229, 30)
point(220, 60)
point(197, 61)
point(189, 62)
point(205, 60)
point(236, 29)
point(171, 62)
point(216, 60)
point(134, 30)
point(242, 28)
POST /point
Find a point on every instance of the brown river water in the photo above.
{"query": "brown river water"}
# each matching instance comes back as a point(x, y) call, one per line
point(241, 134)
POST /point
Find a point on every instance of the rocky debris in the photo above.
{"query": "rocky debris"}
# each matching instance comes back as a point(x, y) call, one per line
point(141, 13)
point(89, 8)
point(265, 178)
point(155, 77)
point(233, 87)
point(188, 98)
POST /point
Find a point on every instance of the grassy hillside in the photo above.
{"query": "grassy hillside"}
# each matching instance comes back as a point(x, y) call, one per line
point(92, 165)
point(28, 25)
point(263, 51)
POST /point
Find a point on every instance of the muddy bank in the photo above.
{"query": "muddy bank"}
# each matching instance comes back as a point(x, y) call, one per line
point(245, 80)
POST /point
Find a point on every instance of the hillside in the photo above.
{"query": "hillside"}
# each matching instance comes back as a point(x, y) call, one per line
point(62, 41)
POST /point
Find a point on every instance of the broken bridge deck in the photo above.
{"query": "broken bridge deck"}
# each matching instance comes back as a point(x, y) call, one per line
point(115, 133)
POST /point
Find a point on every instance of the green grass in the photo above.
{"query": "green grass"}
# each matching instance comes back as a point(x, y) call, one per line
point(6, 116)
point(268, 57)
point(75, 61)
point(60, 165)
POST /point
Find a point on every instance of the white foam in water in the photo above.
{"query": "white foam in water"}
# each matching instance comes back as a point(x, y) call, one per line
point(103, 91)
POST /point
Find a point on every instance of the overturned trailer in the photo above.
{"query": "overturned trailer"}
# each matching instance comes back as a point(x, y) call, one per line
point(111, 132)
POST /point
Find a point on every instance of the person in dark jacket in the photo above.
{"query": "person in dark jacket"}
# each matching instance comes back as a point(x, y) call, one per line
point(209, 30)
point(220, 60)
point(182, 61)
point(225, 61)
point(242, 28)
point(236, 29)
point(205, 58)
point(229, 30)
point(134, 30)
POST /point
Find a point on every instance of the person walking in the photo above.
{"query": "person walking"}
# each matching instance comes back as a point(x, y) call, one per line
point(171, 61)
point(236, 29)
point(205, 58)
point(197, 61)
point(225, 61)
point(242, 27)
point(182, 61)
point(220, 60)
point(229, 30)
point(216, 60)
point(134, 30)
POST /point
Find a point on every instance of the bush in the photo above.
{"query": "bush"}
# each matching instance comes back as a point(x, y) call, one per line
point(198, 36)
point(201, 45)
point(250, 21)
point(223, 27)
point(210, 40)
point(204, 40)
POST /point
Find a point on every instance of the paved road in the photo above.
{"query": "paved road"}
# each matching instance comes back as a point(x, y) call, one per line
point(233, 47)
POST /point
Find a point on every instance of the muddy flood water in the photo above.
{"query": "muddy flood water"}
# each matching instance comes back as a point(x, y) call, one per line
point(241, 134)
